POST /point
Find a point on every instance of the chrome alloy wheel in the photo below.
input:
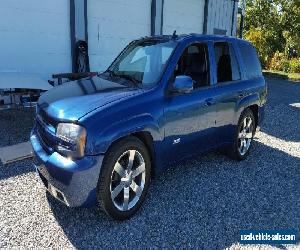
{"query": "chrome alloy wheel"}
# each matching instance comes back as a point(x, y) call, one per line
point(128, 180)
point(245, 135)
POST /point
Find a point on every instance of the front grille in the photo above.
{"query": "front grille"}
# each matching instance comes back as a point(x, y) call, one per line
point(42, 134)
point(46, 134)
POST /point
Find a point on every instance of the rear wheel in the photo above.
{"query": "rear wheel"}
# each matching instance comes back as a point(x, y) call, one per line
point(124, 178)
point(243, 136)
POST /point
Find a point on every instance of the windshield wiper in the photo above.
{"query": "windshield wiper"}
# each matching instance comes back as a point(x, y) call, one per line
point(130, 78)
point(135, 81)
point(110, 72)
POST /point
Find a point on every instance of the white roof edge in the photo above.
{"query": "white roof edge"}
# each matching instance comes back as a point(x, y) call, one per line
point(15, 80)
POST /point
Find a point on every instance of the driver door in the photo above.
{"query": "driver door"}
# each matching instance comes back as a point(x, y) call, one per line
point(190, 117)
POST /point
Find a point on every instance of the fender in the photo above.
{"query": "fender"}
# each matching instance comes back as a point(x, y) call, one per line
point(122, 128)
point(245, 102)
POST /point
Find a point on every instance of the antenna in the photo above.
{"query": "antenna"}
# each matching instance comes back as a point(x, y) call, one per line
point(174, 36)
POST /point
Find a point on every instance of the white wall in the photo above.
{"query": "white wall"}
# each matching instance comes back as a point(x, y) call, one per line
point(35, 34)
point(220, 16)
point(35, 37)
point(183, 16)
point(112, 24)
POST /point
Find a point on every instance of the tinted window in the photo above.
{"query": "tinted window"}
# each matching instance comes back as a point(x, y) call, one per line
point(226, 62)
point(251, 61)
point(194, 63)
point(236, 73)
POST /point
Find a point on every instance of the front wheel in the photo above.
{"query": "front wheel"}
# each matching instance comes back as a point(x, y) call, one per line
point(124, 178)
point(243, 136)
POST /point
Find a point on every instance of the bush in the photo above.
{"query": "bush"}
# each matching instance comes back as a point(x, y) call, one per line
point(294, 65)
point(279, 62)
point(285, 64)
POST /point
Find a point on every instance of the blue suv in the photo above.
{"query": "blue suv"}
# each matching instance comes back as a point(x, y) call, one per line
point(101, 139)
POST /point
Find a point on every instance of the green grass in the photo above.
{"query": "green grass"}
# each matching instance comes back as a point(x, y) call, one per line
point(282, 75)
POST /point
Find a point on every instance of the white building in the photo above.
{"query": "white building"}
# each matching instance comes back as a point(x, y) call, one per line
point(38, 38)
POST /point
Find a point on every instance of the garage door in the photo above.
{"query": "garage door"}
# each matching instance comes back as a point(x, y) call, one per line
point(112, 24)
point(183, 16)
point(35, 37)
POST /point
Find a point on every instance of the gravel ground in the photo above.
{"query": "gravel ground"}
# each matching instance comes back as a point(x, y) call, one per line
point(201, 203)
point(15, 125)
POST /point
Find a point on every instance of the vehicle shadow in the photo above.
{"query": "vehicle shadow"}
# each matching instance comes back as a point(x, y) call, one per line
point(15, 169)
point(201, 203)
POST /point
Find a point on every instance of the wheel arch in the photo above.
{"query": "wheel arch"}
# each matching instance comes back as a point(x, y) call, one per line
point(146, 138)
point(143, 127)
point(254, 109)
point(249, 102)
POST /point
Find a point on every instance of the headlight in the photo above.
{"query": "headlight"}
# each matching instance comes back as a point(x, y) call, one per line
point(71, 139)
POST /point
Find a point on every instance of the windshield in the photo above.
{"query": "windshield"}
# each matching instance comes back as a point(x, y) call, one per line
point(143, 62)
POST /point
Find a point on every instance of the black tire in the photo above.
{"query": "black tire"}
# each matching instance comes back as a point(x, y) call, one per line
point(234, 151)
point(104, 192)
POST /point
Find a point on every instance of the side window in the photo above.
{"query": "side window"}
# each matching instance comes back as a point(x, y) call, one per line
point(226, 62)
point(251, 61)
point(194, 62)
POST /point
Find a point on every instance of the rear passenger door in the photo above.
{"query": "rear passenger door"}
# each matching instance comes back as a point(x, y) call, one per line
point(229, 89)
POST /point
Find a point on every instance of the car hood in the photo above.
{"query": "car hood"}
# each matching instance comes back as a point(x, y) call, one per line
point(73, 100)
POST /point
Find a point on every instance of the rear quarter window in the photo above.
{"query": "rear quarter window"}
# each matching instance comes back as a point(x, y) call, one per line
point(251, 61)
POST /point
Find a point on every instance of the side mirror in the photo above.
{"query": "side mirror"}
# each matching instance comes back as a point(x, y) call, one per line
point(183, 84)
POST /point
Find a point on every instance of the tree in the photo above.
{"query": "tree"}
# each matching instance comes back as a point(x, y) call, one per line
point(261, 42)
point(290, 20)
point(273, 25)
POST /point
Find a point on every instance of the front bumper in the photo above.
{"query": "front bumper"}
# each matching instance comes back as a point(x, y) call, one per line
point(74, 182)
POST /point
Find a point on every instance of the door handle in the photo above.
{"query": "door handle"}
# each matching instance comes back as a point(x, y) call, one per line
point(210, 102)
